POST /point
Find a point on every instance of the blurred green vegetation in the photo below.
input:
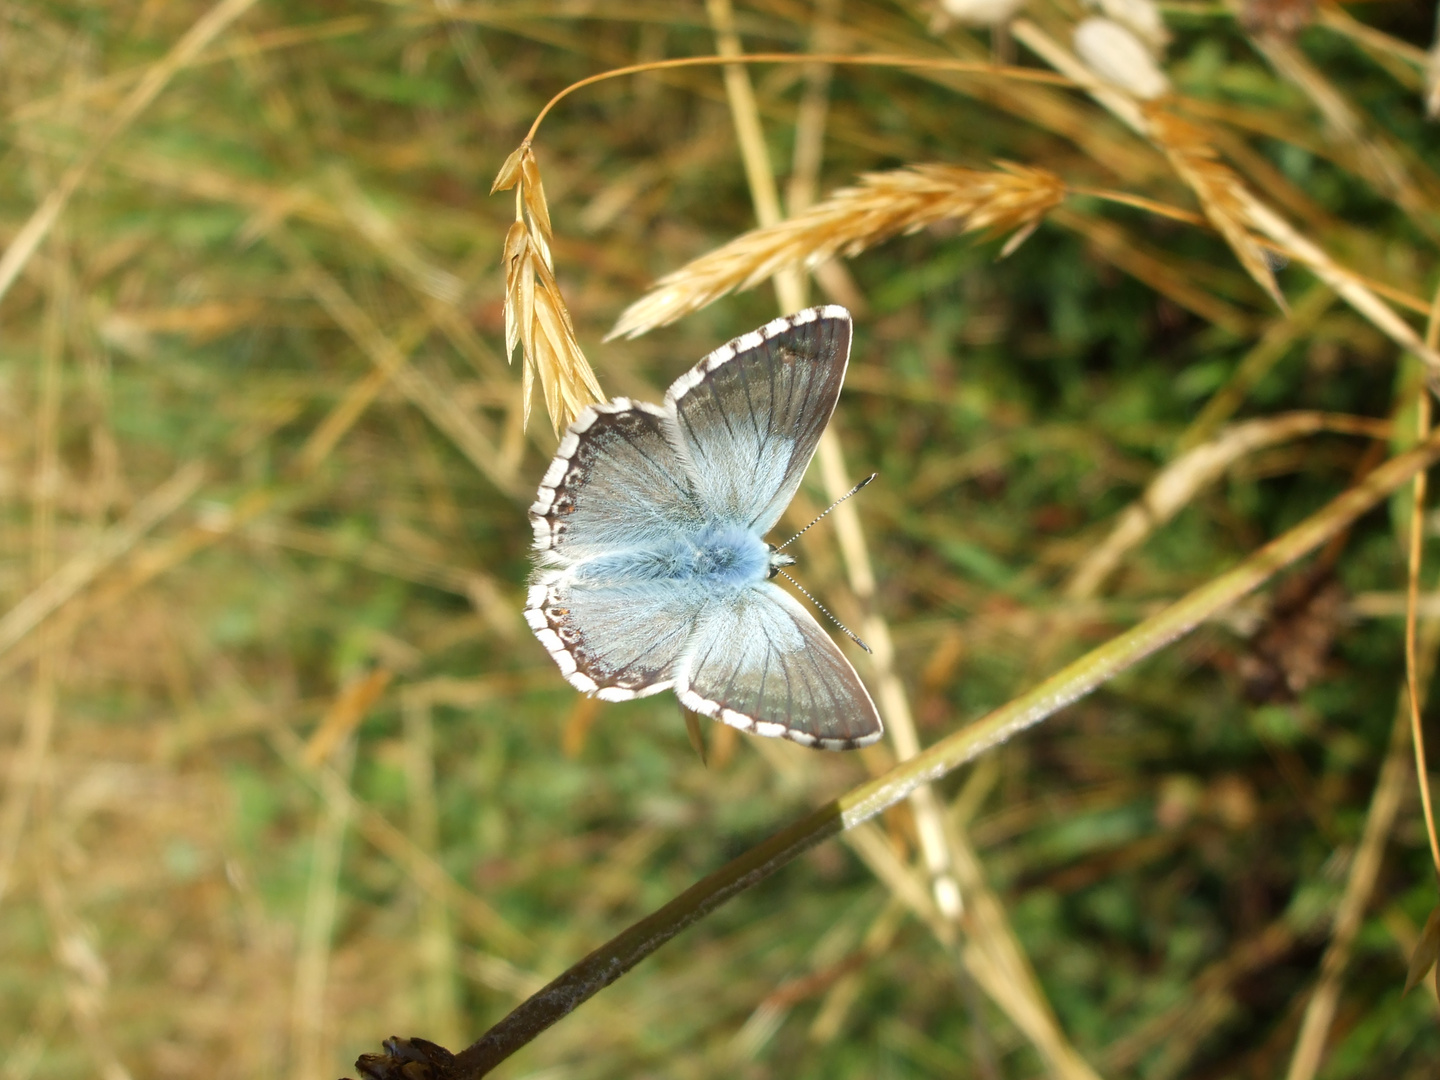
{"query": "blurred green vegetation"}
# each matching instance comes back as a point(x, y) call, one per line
point(185, 893)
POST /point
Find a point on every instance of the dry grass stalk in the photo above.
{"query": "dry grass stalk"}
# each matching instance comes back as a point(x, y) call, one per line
point(1423, 417)
point(1274, 344)
point(1012, 197)
point(1177, 484)
point(1372, 156)
point(32, 762)
point(991, 952)
point(1355, 290)
point(1404, 62)
point(988, 947)
point(351, 705)
point(309, 1034)
point(942, 908)
point(536, 318)
point(1219, 190)
point(79, 571)
point(1385, 804)
point(424, 870)
point(431, 394)
point(1119, 103)
point(1432, 79)
point(437, 950)
point(994, 956)
point(155, 79)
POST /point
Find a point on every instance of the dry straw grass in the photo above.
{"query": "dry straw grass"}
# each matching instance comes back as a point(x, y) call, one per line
point(282, 771)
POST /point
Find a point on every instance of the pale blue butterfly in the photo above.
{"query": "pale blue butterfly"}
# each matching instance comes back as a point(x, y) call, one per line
point(651, 568)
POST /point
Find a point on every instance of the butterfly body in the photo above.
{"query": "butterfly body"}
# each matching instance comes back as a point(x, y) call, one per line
point(719, 558)
point(652, 567)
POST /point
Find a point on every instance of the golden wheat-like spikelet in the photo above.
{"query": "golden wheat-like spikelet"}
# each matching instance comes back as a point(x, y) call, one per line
point(1220, 191)
point(536, 317)
point(882, 205)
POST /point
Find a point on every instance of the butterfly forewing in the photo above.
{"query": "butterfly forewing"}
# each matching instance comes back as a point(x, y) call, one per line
point(615, 482)
point(762, 664)
point(749, 416)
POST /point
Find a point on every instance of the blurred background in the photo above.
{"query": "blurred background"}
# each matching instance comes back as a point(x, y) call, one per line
point(285, 773)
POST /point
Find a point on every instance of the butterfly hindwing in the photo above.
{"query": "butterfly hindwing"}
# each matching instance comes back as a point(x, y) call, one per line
point(762, 664)
point(748, 416)
point(615, 640)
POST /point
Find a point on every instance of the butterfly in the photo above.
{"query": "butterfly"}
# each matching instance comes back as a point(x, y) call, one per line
point(651, 568)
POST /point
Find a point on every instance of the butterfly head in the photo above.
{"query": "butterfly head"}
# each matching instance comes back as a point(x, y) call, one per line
point(777, 560)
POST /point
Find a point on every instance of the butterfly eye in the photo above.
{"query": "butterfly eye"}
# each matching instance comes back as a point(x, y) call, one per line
point(777, 560)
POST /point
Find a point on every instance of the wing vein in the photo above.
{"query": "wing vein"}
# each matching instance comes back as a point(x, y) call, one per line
point(635, 444)
point(762, 438)
point(720, 408)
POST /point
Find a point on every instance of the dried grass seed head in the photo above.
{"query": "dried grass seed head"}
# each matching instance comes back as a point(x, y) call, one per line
point(509, 173)
point(536, 317)
point(1219, 190)
point(880, 206)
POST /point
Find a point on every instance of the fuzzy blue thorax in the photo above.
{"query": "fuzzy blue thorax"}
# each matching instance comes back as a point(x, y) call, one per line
point(723, 557)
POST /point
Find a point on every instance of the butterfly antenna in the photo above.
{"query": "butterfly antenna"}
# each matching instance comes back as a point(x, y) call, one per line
point(807, 528)
point(824, 610)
